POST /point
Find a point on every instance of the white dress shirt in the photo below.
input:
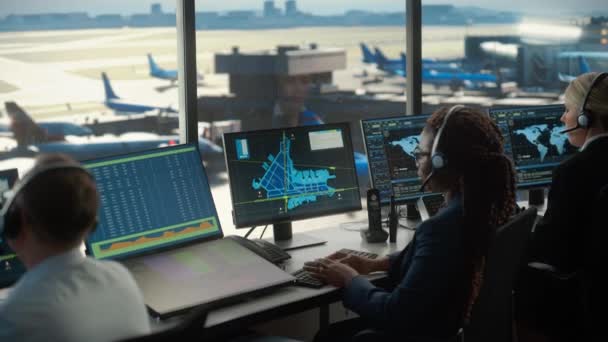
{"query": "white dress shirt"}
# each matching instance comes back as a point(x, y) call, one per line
point(70, 297)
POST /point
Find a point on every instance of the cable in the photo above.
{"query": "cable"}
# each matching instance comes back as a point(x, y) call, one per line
point(263, 231)
point(250, 231)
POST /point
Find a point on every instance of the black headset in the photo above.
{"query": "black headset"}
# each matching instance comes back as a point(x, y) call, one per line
point(10, 217)
point(438, 158)
point(584, 118)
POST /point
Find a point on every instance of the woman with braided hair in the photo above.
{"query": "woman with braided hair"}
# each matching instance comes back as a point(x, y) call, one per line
point(436, 279)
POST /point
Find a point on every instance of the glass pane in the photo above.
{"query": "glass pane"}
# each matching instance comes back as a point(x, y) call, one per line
point(269, 64)
point(495, 53)
point(86, 79)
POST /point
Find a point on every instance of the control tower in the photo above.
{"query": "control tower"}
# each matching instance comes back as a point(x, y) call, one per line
point(259, 80)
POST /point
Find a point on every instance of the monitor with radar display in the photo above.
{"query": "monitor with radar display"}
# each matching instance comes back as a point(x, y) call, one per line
point(391, 144)
point(534, 140)
point(281, 175)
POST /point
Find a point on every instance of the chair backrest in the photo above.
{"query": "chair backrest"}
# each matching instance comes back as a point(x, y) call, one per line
point(190, 329)
point(492, 316)
point(594, 297)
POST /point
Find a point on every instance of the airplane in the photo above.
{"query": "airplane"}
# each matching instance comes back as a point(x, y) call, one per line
point(121, 106)
point(454, 78)
point(31, 139)
point(583, 64)
point(158, 72)
point(165, 74)
point(51, 130)
point(378, 57)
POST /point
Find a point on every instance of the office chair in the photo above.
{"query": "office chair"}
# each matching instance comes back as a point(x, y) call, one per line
point(582, 293)
point(190, 329)
point(492, 314)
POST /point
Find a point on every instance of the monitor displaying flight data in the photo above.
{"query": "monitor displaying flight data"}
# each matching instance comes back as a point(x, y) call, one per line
point(281, 175)
point(391, 145)
point(7, 179)
point(151, 200)
point(533, 138)
point(11, 268)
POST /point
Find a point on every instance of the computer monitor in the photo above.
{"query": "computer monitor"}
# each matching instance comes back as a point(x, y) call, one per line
point(281, 175)
point(390, 144)
point(11, 268)
point(151, 200)
point(7, 180)
point(533, 139)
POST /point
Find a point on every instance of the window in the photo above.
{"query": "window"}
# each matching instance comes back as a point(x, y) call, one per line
point(92, 79)
point(282, 63)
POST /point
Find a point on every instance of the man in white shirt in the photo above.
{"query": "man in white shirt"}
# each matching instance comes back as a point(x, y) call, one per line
point(64, 296)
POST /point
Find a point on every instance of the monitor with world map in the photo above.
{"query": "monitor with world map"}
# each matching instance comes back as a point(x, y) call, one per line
point(287, 174)
point(534, 140)
point(390, 144)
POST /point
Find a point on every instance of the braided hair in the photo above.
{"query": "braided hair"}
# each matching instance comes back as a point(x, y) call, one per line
point(480, 172)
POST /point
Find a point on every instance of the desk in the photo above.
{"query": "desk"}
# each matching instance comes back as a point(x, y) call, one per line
point(293, 299)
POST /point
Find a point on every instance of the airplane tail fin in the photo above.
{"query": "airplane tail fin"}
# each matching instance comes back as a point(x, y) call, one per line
point(583, 65)
point(368, 56)
point(25, 130)
point(380, 57)
point(108, 87)
point(154, 68)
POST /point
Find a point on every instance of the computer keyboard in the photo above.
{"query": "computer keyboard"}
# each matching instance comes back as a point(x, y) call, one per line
point(358, 253)
point(305, 279)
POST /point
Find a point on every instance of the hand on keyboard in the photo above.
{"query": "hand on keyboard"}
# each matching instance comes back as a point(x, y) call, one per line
point(362, 262)
point(355, 259)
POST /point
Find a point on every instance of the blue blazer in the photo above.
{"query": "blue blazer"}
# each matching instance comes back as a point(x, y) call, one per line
point(429, 288)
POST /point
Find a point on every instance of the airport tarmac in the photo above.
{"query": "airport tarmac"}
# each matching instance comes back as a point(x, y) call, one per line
point(56, 74)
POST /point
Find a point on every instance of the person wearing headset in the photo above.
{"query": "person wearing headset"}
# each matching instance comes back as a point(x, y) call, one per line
point(559, 239)
point(436, 279)
point(63, 296)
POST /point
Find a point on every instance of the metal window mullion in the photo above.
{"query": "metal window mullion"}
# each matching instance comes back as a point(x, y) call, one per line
point(186, 69)
point(413, 43)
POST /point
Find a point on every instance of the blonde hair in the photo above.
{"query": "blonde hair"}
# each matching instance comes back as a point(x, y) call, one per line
point(597, 104)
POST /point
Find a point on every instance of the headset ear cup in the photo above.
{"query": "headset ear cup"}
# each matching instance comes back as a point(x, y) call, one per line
point(438, 161)
point(583, 120)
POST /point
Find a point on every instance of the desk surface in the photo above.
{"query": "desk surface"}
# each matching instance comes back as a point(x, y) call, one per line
point(292, 299)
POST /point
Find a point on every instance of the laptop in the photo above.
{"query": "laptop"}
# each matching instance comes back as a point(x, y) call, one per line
point(157, 217)
point(11, 268)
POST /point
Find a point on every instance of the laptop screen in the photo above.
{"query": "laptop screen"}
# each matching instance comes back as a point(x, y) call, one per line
point(11, 267)
point(151, 200)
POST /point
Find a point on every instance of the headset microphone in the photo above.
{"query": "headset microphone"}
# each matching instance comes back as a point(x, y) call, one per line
point(571, 129)
point(438, 159)
point(426, 181)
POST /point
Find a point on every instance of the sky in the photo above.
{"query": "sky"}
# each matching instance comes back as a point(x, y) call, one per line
point(126, 7)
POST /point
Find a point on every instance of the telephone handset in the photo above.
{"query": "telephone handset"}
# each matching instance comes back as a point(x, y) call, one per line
point(375, 233)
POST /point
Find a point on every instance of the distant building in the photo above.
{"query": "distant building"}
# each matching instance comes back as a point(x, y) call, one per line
point(270, 10)
point(291, 8)
point(156, 9)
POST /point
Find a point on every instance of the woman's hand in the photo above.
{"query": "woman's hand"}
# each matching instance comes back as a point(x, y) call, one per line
point(360, 264)
point(331, 272)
